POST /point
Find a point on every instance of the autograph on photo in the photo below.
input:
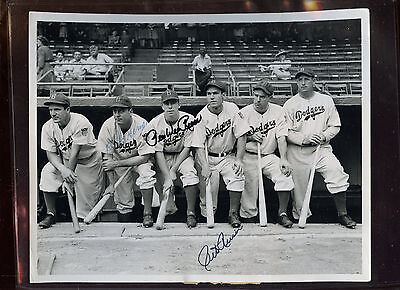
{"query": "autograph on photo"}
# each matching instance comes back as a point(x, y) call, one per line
point(208, 254)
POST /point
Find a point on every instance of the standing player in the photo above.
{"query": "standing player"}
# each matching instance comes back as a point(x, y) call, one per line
point(202, 70)
point(119, 138)
point(268, 128)
point(221, 127)
point(169, 136)
point(313, 120)
point(79, 163)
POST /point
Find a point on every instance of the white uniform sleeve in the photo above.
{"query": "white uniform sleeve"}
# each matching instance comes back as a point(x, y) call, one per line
point(47, 140)
point(281, 126)
point(83, 134)
point(199, 133)
point(105, 143)
point(240, 125)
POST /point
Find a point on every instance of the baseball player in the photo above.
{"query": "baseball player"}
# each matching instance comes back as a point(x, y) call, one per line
point(71, 150)
point(119, 139)
point(268, 128)
point(221, 127)
point(313, 120)
point(168, 136)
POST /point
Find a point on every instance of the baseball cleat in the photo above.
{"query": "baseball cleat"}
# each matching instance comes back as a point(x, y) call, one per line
point(347, 221)
point(284, 221)
point(234, 220)
point(48, 221)
point(148, 221)
point(191, 221)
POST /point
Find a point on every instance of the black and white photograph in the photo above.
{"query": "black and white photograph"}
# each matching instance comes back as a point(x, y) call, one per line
point(187, 148)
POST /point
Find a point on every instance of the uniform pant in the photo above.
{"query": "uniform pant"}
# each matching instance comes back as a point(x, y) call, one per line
point(270, 169)
point(221, 166)
point(141, 176)
point(187, 172)
point(327, 165)
point(88, 187)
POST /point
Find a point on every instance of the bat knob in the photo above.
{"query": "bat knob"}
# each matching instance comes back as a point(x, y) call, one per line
point(301, 227)
point(77, 231)
point(210, 227)
point(159, 227)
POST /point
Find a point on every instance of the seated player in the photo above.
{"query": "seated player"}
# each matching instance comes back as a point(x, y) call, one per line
point(119, 138)
point(71, 150)
point(221, 127)
point(269, 130)
point(169, 136)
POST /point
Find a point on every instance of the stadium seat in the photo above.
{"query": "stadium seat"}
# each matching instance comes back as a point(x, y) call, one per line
point(337, 89)
point(82, 91)
point(282, 89)
point(66, 90)
point(183, 90)
point(355, 88)
point(134, 90)
point(157, 90)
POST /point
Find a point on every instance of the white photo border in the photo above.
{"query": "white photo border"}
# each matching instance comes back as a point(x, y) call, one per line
point(325, 15)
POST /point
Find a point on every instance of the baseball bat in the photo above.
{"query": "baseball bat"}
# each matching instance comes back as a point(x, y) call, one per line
point(261, 195)
point(209, 198)
point(306, 203)
point(163, 209)
point(74, 217)
point(100, 204)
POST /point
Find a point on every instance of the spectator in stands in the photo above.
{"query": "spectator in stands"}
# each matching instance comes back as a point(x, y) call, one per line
point(76, 69)
point(97, 64)
point(114, 38)
point(60, 66)
point(202, 70)
point(280, 70)
point(44, 58)
point(127, 44)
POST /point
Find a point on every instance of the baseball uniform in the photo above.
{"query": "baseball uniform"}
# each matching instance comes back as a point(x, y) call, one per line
point(160, 136)
point(90, 183)
point(220, 132)
point(122, 146)
point(305, 117)
point(271, 124)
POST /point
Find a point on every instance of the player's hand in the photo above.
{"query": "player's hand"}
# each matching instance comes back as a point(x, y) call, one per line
point(172, 173)
point(257, 136)
point(285, 167)
point(68, 175)
point(109, 164)
point(206, 172)
point(238, 167)
point(109, 189)
point(262, 68)
point(314, 139)
point(168, 183)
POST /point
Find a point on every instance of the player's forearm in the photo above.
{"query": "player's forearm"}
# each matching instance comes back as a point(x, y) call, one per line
point(55, 160)
point(73, 159)
point(330, 133)
point(132, 161)
point(162, 164)
point(282, 147)
point(295, 137)
point(181, 157)
point(201, 157)
point(111, 176)
point(240, 147)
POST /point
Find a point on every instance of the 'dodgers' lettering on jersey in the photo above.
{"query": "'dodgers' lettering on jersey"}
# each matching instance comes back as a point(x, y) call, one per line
point(219, 129)
point(262, 128)
point(125, 147)
point(310, 112)
point(64, 146)
point(172, 135)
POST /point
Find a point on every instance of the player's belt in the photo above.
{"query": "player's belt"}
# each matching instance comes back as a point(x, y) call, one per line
point(223, 154)
point(255, 153)
point(170, 153)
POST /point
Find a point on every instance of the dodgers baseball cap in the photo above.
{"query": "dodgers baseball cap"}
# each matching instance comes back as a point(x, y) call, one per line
point(58, 99)
point(265, 86)
point(305, 72)
point(169, 95)
point(217, 84)
point(121, 102)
